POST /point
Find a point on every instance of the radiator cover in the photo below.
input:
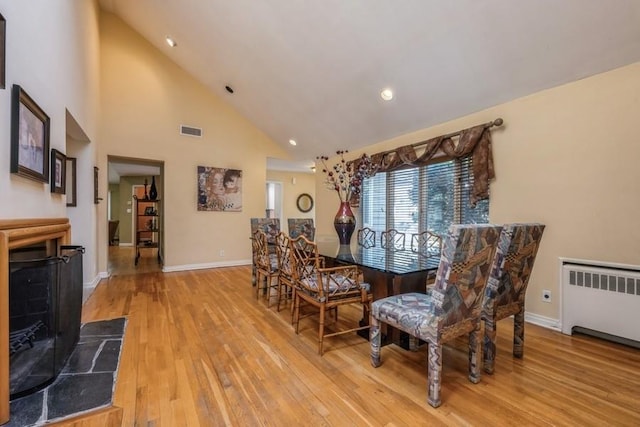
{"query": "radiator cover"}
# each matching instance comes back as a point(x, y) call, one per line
point(602, 297)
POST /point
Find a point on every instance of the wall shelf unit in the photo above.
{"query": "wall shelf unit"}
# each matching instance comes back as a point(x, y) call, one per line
point(147, 228)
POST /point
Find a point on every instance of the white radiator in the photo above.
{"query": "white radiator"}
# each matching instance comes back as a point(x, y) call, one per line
point(603, 298)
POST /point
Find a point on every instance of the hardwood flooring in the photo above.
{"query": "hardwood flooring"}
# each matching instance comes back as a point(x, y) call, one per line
point(200, 350)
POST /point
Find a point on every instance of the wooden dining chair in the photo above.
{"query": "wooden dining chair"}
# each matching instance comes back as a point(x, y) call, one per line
point(452, 309)
point(426, 244)
point(325, 289)
point(286, 284)
point(366, 237)
point(507, 286)
point(392, 239)
point(266, 265)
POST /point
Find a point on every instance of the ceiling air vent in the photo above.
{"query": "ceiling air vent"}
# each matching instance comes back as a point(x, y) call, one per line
point(190, 131)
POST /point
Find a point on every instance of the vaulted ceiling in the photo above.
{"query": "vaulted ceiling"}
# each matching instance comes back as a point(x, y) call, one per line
point(313, 71)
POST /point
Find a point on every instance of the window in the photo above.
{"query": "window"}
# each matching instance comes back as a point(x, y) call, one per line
point(423, 198)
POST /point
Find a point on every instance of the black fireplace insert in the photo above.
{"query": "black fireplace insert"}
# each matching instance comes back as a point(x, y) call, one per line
point(45, 306)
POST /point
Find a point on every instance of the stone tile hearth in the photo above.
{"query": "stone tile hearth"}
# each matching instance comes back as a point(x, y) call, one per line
point(86, 382)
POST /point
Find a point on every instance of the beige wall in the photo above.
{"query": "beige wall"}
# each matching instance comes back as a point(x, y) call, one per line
point(52, 50)
point(566, 157)
point(304, 183)
point(145, 98)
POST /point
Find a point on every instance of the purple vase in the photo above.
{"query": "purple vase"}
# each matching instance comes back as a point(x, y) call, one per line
point(344, 223)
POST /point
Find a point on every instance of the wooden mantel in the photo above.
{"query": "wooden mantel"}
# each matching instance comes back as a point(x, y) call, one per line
point(16, 233)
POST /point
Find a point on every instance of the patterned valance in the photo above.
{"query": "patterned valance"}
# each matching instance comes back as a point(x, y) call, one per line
point(475, 141)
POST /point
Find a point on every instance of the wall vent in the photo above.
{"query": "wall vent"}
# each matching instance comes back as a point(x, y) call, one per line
point(190, 131)
point(603, 298)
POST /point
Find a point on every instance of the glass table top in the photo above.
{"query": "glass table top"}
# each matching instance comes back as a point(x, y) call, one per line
point(391, 261)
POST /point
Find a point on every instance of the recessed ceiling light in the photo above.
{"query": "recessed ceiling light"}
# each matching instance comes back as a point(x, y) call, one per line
point(293, 142)
point(386, 94)
point(171, 42)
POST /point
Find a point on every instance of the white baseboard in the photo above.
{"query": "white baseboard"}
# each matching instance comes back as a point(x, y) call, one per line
point(186, 267)
point(89, 287)
point(545, 322)
point(125, 244)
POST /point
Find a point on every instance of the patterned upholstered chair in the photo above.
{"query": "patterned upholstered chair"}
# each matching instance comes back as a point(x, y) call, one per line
point(325, 288)
point(301, 227)
point(266, 265)
point(507, 286)
point(366, 237)
point(270, 227)
point(392, 239)
point(453, 307)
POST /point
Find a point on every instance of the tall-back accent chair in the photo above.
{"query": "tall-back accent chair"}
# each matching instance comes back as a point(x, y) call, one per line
point(301, 227)
point(392, 239)
point(366, 237)
point(270, 227)
point(451, 309)
point(325, 288)
point(266, 265)
point(507, 286)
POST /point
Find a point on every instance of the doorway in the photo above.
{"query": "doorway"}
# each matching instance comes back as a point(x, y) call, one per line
point(125, 176)
point(274, 200)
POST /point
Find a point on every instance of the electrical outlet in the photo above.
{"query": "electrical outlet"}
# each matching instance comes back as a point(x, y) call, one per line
point(221, 253)
point(546, 295)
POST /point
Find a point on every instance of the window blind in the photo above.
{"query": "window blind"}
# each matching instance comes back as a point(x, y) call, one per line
point(430, 197)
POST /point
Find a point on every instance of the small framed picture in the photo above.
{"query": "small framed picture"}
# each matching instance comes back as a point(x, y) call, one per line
point(58, 172)
point(96, 196)
point(149, 210)
point(70, 183)
point(29, 137)
point(3, 37)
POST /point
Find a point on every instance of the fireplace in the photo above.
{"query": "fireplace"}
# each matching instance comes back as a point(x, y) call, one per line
point(45, 303)
point(20, 233)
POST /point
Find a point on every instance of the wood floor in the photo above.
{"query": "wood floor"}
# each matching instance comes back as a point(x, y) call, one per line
point(200, 350)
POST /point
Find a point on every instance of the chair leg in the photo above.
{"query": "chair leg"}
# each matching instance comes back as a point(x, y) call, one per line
point(279, 295)
point(374, 340)
point(434, 373)
point(267, 288)
point(296, 312)
point(475, 353)
point(321, 329)
point(258, 284)
point(293, 301)
point(489, 345)
point(518, 334)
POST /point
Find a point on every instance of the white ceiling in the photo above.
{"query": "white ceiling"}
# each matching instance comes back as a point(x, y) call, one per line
point(313, 70)
point(121, 168)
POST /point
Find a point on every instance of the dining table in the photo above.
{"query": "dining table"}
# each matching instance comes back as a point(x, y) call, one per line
point(387, 271)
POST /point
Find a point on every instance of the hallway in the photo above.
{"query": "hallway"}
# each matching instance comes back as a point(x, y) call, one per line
point(121, 261)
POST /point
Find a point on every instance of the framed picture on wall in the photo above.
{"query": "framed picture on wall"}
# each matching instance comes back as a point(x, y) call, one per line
point(29, 137)
point(219, 189)
point(96, 197)
point(58, 172)
point(70, 182)
point(3, 45)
